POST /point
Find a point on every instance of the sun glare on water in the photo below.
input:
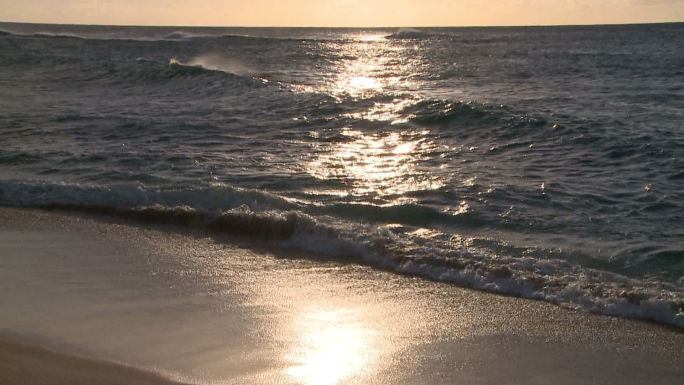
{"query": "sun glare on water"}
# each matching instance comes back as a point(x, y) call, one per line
point(381, 164)
point(358, 84)
point(377, 163)
point(368, 66)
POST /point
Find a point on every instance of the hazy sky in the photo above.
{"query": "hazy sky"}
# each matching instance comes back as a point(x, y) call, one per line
point(341, 12)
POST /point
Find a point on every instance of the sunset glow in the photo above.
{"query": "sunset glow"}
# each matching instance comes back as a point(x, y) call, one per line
point(342, 13)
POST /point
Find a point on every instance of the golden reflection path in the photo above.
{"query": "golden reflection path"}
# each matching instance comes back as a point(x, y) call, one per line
point(380, 163)
point(334, 345)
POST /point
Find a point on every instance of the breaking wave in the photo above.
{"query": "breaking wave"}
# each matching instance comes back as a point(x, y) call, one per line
point(406, 249)
point(211, 62)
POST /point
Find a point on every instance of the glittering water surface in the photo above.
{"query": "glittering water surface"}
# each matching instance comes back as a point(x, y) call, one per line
point(541, 162)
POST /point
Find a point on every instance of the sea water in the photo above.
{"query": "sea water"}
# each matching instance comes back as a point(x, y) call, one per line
point(543, 162)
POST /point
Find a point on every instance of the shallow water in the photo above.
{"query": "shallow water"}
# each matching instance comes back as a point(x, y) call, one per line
point(205, 311)
point(540, 162)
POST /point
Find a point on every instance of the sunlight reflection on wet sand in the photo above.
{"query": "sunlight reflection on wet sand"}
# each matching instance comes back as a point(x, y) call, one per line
point(330, 333)
point(220, 314)
point(334, 345)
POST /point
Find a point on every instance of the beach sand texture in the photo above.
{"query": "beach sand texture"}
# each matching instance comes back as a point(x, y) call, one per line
point(21, 364)
point(193, 307)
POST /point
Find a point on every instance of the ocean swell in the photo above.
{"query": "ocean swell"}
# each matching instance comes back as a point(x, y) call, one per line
point(441, 112)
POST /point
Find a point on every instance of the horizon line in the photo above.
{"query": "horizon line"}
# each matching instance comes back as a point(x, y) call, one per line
point(339, 27)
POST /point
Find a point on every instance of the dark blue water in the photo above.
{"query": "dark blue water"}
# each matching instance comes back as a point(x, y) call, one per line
point(541, 162)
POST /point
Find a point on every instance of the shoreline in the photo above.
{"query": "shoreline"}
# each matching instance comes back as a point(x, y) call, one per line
point(264, 234)
point(213, 311)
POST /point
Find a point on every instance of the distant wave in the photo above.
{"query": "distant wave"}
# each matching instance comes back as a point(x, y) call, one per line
point(56, 35)
point(409, 33)
point(404, 249)
point(188, 35)
point(182, 35)
point(176, 36)
point(41, 34)
point(172, 74)
point(215, 62)
point(180, 68)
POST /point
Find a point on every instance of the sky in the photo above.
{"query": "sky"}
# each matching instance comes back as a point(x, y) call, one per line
point(341, 13)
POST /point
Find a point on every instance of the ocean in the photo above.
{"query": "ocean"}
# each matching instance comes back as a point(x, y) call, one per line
point(540, 162)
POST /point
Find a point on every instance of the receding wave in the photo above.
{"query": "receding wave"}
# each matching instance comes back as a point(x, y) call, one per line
point(406, 249)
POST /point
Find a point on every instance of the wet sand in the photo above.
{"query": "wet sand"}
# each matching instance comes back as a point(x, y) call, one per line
point(197, 308)
point(22, 364)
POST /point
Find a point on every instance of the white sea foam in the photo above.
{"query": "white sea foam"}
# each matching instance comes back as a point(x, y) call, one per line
point(260, 215)
point(216, 62)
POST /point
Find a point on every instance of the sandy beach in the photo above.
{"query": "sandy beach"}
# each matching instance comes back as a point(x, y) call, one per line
point(193, 307)
point(21, 364)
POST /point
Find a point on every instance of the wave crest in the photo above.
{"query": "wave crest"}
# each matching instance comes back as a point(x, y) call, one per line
point(404, 249)
point(215, 62)
point(436, 112)
point(409, 33)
